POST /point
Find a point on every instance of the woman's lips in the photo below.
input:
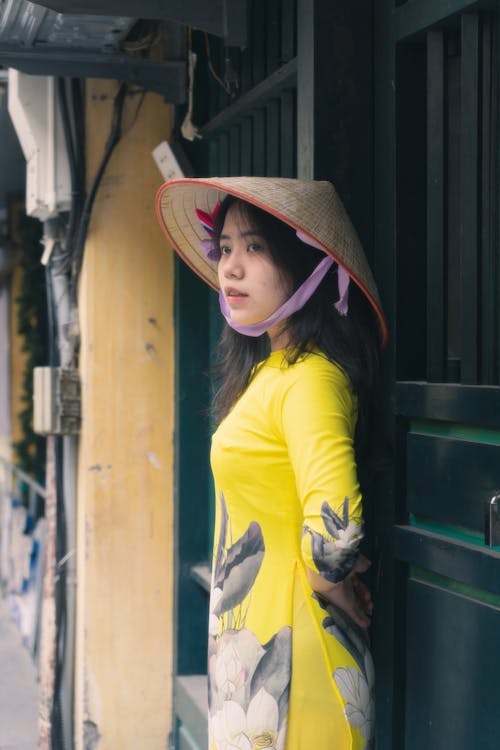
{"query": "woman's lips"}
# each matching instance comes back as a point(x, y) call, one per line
point(234, 296)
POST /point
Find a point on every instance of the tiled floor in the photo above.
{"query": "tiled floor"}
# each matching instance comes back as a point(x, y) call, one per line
point(18, 688)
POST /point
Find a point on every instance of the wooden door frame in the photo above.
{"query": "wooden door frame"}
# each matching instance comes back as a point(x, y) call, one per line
point(388, 628)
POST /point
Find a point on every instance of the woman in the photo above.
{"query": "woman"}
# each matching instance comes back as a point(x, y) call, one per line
point(288, 661)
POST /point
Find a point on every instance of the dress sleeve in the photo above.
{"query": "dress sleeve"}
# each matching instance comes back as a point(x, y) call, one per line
point(318, 417)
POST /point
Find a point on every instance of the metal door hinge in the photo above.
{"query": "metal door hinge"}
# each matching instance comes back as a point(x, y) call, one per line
point(492, 521)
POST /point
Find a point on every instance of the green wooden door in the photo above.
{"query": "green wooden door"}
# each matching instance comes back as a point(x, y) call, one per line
point(437, 261)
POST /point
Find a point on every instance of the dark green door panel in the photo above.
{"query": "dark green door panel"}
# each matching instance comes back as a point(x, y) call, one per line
point(453, 664)
point(450, 480)
point(191, 429)
point(448, 402)
point(465, 562)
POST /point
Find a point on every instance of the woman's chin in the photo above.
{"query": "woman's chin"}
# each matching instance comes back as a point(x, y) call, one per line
point(244, 320)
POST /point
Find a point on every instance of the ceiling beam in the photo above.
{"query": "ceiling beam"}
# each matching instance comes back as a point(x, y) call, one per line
point(223, 18)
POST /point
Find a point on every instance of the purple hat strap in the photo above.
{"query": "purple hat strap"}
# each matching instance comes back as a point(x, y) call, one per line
point(293, 304)
point(342, 304)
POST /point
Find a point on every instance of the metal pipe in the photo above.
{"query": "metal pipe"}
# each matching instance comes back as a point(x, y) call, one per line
point(32, 483)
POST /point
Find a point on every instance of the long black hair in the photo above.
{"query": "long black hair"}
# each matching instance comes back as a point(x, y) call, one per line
point(352, 341)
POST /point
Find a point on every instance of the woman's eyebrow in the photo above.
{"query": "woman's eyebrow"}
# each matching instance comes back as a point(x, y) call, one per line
point(246, 233)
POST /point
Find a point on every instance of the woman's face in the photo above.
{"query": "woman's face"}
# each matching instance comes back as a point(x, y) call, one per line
point(252, 285)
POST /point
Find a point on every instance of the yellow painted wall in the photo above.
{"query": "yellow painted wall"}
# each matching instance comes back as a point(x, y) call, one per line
point(123, 697)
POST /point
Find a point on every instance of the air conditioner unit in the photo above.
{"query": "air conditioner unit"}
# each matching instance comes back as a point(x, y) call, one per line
point(34, 110)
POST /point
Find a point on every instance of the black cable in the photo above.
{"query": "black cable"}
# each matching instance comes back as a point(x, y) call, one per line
point(142, 94)
point(57, 723)
point(51, 319)
point(68, 136)
point(80, 195)
point(78, 106)
point(113, 140)
point(72, 160)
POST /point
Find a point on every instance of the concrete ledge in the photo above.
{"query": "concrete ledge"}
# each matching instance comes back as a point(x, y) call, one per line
point(191, 706)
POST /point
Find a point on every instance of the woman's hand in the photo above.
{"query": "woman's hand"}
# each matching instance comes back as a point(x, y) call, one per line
point(350, 595)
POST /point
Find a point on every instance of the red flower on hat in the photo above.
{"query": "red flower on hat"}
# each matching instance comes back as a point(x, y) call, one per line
point(207, 220)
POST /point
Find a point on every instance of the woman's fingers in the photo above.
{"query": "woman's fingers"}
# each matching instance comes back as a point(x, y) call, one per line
point(359, 615)
point(346, 597)
point(363, 593)
point(362, 564)
point(350, 595)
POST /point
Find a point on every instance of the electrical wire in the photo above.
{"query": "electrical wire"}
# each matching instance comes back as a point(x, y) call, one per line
point(188, 129)
point(142, 93)
point(113, 139)
point(78, 108)
point(52, 325)
point(150, 39)
point(70, 149)
point(57, 720)
point(211, 68)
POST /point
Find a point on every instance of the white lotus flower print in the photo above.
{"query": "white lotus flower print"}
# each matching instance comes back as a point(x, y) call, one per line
point(233, 729)
point(233, 664)
point(357, 691)
point(349, 536)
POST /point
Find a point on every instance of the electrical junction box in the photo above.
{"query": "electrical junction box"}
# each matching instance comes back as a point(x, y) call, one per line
point(171, 161)
point(56, 401)
point(35, 113)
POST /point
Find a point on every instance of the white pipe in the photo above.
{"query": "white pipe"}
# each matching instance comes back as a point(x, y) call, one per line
point(64, 317)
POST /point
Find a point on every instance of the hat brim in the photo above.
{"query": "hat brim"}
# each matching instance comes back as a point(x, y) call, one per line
point(309, 206)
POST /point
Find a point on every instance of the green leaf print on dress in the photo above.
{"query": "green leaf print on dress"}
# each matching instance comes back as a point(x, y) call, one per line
point(248, 681)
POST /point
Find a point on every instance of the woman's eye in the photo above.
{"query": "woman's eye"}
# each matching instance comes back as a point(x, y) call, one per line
point(254, 247)
point(225, 250)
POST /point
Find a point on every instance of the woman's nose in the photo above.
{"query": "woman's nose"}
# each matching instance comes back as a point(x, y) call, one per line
point(233, 267)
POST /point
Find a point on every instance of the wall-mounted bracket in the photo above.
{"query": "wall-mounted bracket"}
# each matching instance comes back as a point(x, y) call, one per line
point(164, 77)
point(56, 401)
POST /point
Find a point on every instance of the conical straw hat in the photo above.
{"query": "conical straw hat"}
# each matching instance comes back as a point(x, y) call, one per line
point(310, 206)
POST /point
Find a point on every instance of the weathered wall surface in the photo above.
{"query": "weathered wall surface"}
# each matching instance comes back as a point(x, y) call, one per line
point(125, 492)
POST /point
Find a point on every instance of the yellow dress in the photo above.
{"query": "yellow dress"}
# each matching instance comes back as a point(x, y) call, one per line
point(284, 671)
